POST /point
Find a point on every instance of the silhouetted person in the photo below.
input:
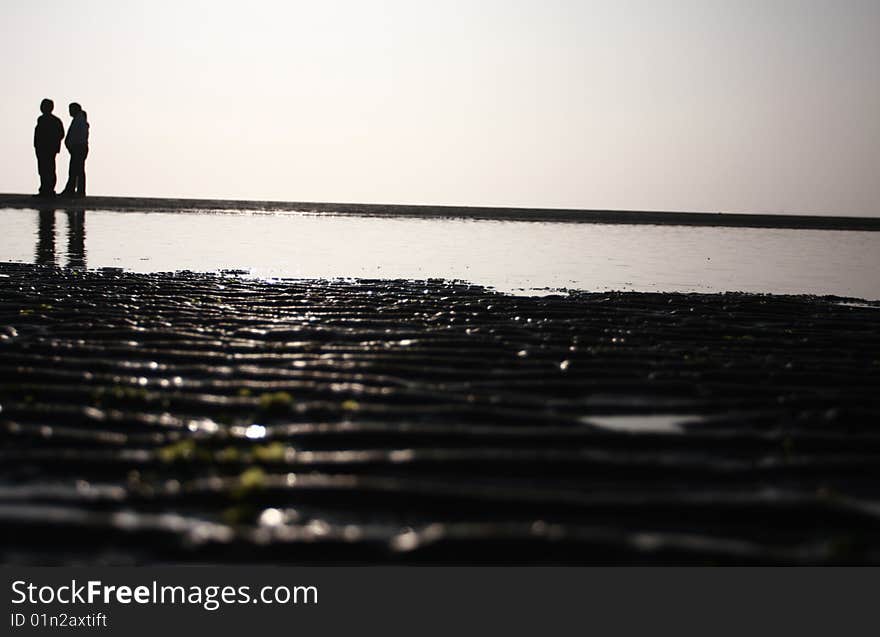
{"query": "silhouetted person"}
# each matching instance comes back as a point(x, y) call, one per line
point(77, 142)
point(47, 143)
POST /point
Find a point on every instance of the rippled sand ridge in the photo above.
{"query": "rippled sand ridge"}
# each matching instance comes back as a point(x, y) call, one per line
point(205, 418)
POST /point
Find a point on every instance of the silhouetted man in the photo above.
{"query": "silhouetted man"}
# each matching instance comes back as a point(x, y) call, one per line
point(77, 142)
point(47, 143)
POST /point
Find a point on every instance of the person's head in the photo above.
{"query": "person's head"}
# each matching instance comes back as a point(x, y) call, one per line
point(47, 106)
point(74, 109)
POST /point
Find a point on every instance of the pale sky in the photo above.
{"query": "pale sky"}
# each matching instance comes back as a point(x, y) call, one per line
point(736, 106)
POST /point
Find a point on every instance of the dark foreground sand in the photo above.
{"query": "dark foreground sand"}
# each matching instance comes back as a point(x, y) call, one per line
point(200, 418)
point(806, 222)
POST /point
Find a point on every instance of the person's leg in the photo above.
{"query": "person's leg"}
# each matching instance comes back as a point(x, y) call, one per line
point(41, 169)
point(71, 175)
point(46, 168)
point(50, 172)
point(81, 183)
point(77, 171)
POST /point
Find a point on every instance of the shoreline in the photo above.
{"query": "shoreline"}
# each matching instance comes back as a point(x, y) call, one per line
point(482, 213)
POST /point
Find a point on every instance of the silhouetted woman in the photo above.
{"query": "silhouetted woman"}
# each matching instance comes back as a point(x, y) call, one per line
point(77, 142)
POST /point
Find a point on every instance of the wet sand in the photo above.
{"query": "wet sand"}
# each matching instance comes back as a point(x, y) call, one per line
point(212, 418)
point(717, 219)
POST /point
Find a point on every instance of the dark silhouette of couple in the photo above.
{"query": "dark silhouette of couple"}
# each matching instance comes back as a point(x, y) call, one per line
point(47, 143)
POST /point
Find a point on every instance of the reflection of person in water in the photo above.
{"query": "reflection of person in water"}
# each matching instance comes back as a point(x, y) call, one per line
point(46, 239)
point(77, 143)
point(76, 238)
point(47, 143)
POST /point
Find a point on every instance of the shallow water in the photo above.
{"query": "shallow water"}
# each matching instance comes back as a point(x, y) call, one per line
point(510, 256)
